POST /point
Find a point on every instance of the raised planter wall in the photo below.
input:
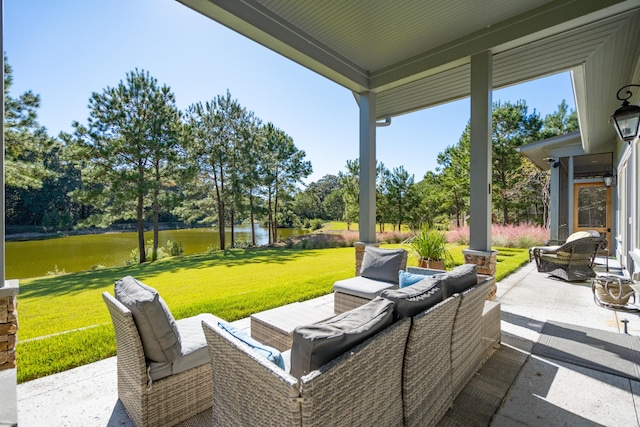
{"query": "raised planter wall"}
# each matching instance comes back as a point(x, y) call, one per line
point(8, 339)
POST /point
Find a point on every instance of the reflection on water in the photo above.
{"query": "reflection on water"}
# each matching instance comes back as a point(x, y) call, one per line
point(76, 253)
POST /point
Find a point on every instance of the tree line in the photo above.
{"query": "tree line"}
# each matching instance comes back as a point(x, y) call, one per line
point(441, 199)
point(139, 159)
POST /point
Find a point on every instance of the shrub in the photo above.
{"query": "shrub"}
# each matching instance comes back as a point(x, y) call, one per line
point(430, 245)
point(56, 272)
point(212, 249)
point(241, 244)
point(505, 236)
point(459, 236)
point(175, 247)
point(393, 237)
point(316, 224)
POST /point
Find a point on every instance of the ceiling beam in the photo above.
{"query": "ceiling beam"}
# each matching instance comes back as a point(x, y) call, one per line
point(561, 14)
point(258, 23)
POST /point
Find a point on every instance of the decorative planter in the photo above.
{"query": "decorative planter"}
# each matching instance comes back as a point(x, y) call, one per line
point(433, 264)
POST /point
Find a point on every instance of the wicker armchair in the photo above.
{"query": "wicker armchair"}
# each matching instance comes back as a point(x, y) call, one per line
point(572, 261)
point(165, 402)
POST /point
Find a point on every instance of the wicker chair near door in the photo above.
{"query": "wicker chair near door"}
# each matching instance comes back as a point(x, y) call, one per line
point(572, 261)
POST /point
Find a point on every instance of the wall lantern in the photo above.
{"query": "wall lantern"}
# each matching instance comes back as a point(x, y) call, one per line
point(627, 117)
point(610, 176)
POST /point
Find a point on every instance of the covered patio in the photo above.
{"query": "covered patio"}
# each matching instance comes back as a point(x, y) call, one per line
point(401, 57)
point(517, 385)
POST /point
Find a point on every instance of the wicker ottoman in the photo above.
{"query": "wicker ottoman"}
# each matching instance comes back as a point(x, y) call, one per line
point(275, 327)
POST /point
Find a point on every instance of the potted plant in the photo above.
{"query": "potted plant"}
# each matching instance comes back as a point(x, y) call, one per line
point(430, 248)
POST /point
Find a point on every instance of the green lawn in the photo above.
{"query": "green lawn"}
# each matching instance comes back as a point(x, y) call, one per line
point(64, 322)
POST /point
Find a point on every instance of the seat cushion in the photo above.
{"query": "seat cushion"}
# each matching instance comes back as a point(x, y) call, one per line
point(580, 235)
point(415, 299)
point(193, 349)
point(362, 287)
point(383, 264)
point(315, 345)
point(155, 323)
point(458, 280)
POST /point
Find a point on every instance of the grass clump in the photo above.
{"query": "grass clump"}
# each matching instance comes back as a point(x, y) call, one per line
point(504, 236)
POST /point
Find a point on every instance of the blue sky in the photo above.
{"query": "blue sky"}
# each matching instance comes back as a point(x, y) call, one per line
point(65, 50)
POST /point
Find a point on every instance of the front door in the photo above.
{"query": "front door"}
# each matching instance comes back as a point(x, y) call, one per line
point(592, 209)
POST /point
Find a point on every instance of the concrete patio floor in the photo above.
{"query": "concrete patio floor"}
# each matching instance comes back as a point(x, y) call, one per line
point(545, 392)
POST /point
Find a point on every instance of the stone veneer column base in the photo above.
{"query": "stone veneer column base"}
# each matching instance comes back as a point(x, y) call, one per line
point(360, 253)
point(8, 338)
point(486, 262)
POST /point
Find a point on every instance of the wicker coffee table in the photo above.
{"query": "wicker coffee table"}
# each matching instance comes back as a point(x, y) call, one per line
point(275, 327)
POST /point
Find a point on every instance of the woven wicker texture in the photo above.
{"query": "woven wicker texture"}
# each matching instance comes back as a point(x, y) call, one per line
point(361, 387)
point(491, 332)
point(248, 390)
point(466, 348)
point(427, 390)
point(612, 290)
point(204, 418)
point(268, 335)
point(344, 302)
point(573, 261)
point(170, 400)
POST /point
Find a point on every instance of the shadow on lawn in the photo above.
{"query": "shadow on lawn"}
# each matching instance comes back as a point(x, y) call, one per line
point(104, 279)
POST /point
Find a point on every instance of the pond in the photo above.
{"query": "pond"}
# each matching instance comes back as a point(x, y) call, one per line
point(34, 258)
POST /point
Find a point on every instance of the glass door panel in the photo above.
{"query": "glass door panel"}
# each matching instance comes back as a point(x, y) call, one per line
point(592, 209)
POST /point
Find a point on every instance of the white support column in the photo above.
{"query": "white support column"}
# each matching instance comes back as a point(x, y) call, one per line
point(480, 172)
point(554, 203)
point(570, 195)
point(367, 221)
point(479, 251)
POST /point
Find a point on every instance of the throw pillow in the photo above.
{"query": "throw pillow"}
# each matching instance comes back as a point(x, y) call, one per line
point(155, 323)
point(417, 298)
point(459, 279)
point(269, 353)
point(316, 345)
point(407, 279)
point(383, 264)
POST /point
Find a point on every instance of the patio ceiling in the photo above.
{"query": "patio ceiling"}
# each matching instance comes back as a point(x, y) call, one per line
point(416, 54)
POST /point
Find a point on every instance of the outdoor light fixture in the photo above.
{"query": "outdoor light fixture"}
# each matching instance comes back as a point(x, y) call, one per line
point(552, 161)
point(627, 117)
point(610, 176)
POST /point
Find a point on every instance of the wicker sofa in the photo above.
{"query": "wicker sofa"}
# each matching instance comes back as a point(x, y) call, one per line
point(156, 393)
point(407, 374)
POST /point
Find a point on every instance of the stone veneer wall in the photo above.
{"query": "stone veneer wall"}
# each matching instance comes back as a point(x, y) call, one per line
point(8, 338)
point(486, 262)
point(8, 331)
point(360, 253)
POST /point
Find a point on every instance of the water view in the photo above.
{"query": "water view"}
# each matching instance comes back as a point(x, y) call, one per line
point(34, 258)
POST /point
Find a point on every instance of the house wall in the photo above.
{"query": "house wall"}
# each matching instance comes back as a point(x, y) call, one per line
point(627, 231)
